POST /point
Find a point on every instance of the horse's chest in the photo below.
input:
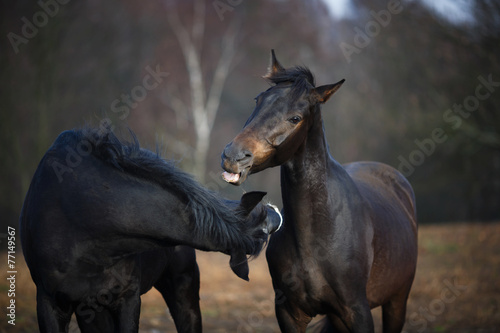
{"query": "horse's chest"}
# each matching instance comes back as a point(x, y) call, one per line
point(299, 279)
point(308, 288)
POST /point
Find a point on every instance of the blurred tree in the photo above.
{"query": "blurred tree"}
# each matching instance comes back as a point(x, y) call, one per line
point(90, 61)
point(204, 98)
point(415, 67)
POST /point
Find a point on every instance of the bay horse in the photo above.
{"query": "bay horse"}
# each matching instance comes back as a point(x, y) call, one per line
point(349, 237)
point(104, 221)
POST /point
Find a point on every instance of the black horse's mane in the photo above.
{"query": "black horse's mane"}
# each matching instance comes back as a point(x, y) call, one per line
point(300, 77)
point(211, 214)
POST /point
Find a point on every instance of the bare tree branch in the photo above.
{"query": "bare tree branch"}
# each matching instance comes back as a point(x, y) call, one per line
point(199, 24)
point(176, 104)
point(222, 71)
point(204, 106)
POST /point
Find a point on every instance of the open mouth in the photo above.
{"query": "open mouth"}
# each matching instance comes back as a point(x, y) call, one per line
point(231, 177)
point(236, 178)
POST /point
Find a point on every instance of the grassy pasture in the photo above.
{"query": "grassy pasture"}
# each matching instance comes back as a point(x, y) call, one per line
point(456, 289)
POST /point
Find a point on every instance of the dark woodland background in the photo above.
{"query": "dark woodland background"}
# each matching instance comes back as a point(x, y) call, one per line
point(76, 64)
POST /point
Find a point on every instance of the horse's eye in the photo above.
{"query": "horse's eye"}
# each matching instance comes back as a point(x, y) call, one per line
point(295, 120)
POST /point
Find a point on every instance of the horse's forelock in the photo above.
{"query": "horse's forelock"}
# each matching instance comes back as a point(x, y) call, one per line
point(292, 75)
point(301, 79)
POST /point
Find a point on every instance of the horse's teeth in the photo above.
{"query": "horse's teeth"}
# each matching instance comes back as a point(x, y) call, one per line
point(230, 177)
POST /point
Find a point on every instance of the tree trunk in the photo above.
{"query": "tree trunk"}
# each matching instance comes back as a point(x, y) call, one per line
point(204, 103)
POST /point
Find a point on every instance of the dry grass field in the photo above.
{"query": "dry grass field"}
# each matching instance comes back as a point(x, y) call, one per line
point(456, 289)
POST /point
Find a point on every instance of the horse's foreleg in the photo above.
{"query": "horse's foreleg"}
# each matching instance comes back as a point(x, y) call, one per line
point(52, 317)
point(184, 304)
point(99, 321)
point(128, 314)
point(180, 287)
point(291, 319)
point(358, 317)
point(335, 324)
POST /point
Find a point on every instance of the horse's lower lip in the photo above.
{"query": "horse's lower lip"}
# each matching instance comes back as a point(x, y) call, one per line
point(231, 177)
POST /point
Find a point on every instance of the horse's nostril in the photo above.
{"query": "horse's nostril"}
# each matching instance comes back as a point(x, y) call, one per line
point(247, 154)
point(234, 154)
point(244, 156)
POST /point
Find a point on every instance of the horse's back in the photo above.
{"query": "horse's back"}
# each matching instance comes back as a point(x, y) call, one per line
point(377, 181)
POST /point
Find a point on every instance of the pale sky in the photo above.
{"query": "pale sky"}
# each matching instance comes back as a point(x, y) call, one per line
point(454, 10)
point(338, 8)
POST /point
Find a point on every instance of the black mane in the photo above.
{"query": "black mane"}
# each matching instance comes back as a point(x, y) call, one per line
point(211, 214)
point(300, 77)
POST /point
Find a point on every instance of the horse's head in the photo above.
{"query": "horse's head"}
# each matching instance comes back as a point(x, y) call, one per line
point(279, 123)
point(259, 221)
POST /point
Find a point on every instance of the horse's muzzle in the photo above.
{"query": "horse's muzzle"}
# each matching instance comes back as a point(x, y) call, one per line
point(236, 164)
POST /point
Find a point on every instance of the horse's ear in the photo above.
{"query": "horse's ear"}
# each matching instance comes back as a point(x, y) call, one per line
point(249, 200)
point(239, 265)
point(274, 67)
point(323, 93)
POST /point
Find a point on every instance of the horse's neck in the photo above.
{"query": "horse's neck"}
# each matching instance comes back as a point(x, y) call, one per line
point(312, 163)
point(312, 159)
point(160, 222)
point(308, 183)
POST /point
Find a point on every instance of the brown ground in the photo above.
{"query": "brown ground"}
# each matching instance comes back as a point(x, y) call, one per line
point(456, 289)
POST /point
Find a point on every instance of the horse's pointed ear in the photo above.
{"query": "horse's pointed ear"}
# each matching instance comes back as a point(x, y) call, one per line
point(322, 94)
point(239, 265)
point(251, 199)
point(274, 67)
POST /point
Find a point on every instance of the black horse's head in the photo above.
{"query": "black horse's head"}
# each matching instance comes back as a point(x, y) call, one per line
point(279, 123)
point(259, 221)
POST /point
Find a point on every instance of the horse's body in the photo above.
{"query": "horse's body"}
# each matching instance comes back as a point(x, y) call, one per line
point(104, 221)
point(172, 271)
point(349, 240)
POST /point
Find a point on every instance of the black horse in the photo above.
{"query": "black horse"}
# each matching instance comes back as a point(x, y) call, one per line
point(104, 221)
point(349, 241)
